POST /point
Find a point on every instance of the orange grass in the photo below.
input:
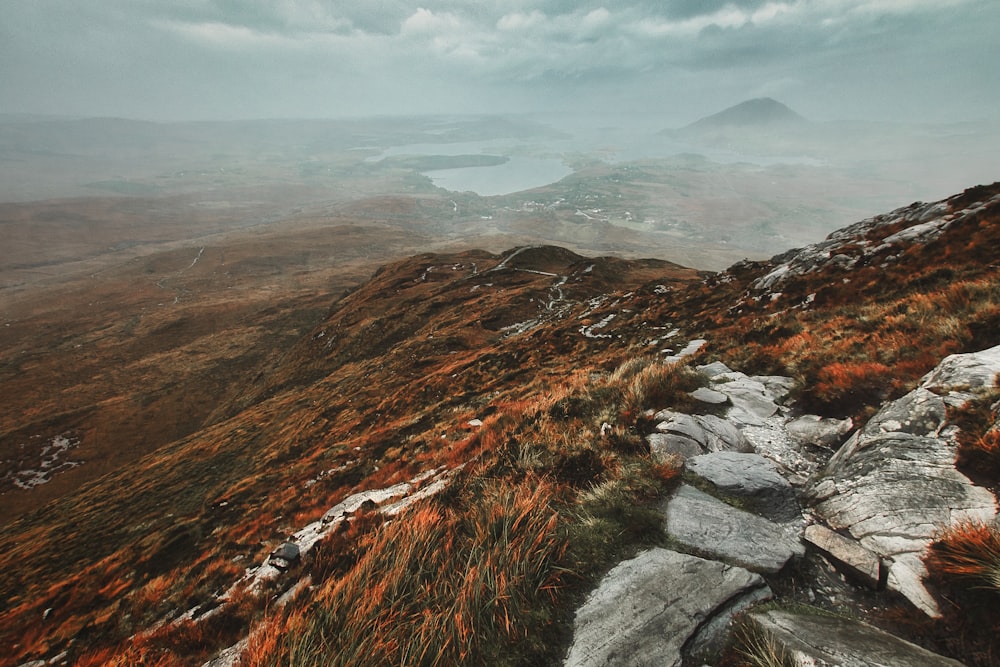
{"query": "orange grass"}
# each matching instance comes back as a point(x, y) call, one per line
point(969, 551)
point(440, 585)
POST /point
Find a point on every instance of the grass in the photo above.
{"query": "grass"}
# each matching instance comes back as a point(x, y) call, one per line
point(969, 552)
point(489, 570)
point(759, 648)
point(442, 585)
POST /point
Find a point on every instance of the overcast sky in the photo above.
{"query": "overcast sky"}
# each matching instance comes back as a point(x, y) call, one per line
point(924, 60)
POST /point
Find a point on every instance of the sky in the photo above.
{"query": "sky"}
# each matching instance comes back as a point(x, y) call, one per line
point(912, 60)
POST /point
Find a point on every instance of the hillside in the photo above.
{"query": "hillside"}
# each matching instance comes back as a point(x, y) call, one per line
point(463, 446)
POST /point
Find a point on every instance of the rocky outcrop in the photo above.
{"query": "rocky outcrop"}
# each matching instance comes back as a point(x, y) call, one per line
point(893, 485)
point(751, 479)
point(683, 435)
point(874, 506)
point(875, 237)
point(829, 641)
point(654, 608)
point(710, 527)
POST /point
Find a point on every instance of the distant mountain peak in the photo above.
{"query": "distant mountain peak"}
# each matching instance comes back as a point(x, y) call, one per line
point(758, 112)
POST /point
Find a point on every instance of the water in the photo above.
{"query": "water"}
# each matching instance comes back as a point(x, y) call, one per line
point(515, 175)
point(533, 164)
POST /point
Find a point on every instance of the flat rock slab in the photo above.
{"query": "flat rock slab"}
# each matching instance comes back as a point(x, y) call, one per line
point(709, 396)
point(710, 527)
point(646, 609)
point(750, 477)
point(846, 554)
point(827, 641)
point(746, 393)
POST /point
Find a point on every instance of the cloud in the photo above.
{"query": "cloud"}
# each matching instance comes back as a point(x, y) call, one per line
point(521, 52)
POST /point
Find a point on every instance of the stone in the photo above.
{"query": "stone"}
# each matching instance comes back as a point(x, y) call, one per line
point(645, 610)
point(713, 369)
point(747, 394)
point(906, 577)
point(968, 371)
point(920, 412)
point(820, 431)
point(709, 396)
point(751, 478)
point(723, 436)
point(776, 387)
point(671, 445)
point(846, 554)
point(824, 640)
point(710, 527)
point(893, 485)
point(684, 435)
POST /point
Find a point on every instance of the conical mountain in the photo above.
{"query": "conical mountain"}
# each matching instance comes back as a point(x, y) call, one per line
point(761, 112)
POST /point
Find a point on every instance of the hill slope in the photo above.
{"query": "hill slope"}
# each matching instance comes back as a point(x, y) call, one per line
point(513, 386)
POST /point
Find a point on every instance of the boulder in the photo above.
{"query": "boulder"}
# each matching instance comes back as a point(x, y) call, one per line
point(893, 485)
point(827, 641)
point(671, 445)
point(647, 609)
point(710, 527)
point(753, 479)
point(846, 554)
point(920, 412)
point(966, 371)
point(684, 435)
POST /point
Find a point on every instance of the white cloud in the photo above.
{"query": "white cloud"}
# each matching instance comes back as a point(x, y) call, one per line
point(426, 22)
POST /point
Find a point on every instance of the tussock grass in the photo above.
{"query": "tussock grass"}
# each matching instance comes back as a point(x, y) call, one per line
point(488, 571)
point(442, 585)
point(853, 355)
point(759, 648)
point(970, 552)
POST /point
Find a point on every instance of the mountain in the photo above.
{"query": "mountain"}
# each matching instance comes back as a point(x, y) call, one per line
point(466, 446)
point(758, 113)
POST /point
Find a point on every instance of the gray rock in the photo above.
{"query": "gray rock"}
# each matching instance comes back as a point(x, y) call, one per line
point(685, 435)
point(747, 394)
point(646, 609)
point(920, 412)
point(723, 436)
point(906, 577)
point(826, 641)
point(671, 445)
point(846, 554)
point(816, 430)
point(681, 424)
point(893, 490)
point(713, 369)
point(710, 527)
point(973, 370)
point(709, 396)
point(776, 387)
point(753, 479)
